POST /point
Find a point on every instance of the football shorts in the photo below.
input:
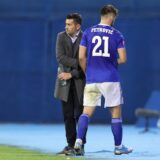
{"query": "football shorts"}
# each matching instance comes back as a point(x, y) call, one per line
point(111, 91)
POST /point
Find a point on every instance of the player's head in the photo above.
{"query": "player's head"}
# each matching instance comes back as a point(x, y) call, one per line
point(73, 23)
point(109, 14)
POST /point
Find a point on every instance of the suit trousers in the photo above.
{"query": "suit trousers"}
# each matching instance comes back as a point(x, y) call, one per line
point(72, 109)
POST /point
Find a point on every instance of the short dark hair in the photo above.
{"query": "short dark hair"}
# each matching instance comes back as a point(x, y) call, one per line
point(109, 9)
point(76, 17)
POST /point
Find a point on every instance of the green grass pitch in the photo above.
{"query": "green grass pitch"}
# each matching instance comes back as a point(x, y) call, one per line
point(14, 153)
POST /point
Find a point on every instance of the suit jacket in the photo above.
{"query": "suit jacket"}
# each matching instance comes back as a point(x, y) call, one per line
point(67, 56)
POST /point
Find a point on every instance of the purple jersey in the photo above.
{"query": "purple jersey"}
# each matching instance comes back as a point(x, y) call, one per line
point(102, 42)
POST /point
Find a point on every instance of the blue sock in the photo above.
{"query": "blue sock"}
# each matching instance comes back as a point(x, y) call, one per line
point(82, 126)
point(117, 130)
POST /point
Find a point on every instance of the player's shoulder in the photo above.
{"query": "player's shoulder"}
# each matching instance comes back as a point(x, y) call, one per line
point(117, 32)
point(94, 26)
point(90, 28)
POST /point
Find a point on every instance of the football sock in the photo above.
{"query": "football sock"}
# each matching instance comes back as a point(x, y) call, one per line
point(82, 126)
point(116, 126)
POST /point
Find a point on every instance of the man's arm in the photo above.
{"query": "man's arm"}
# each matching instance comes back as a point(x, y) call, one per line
point(75, 73)
point(82, 57)
point(60, 54)
point(122, 55)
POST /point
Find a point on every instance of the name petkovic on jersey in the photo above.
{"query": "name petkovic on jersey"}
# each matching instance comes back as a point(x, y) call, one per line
point(109, 31)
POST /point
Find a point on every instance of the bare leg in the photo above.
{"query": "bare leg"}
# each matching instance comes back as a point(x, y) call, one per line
point(115, 111)
point(89, 111)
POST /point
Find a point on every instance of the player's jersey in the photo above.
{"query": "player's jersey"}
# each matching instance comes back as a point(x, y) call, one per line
point(102, 42)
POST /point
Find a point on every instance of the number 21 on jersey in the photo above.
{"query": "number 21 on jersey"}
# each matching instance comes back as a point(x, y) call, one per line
point(98, 41)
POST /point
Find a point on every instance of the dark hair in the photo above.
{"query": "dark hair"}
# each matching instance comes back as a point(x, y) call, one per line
point(76, 17)
point(109, 9)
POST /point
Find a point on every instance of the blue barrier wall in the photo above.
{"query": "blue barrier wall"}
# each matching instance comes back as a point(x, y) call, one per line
point(28, 66)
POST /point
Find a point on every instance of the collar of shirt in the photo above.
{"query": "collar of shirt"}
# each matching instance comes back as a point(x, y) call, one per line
point(103, 24)
point(74, 37)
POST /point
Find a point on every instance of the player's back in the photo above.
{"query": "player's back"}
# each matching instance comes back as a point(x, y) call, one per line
point(102, 42)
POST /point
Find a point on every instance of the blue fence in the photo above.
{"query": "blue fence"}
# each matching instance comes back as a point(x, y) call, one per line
point(28, 66)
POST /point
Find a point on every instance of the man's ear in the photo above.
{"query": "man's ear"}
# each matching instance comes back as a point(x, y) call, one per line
point(78, 26)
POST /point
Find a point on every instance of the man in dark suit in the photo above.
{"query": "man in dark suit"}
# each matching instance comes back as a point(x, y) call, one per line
point(70, 78)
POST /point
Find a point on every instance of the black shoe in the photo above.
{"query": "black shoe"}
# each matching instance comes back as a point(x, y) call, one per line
point(65, 150)
point(71, 152)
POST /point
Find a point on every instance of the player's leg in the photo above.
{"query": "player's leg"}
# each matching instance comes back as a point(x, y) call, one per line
point(116, 124)
point(117, 130)
point(113, 99)
point(91, 100)
point(82, 129)
point(84, 121)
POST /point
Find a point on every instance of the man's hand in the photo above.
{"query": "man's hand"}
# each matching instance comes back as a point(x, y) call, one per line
point(64, 76)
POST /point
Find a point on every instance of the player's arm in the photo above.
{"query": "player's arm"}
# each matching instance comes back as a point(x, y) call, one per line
point(122, 55)
point(82, 57)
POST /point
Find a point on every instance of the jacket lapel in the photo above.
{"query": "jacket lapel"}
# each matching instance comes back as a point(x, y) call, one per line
point(77, 42)
point(68, 45)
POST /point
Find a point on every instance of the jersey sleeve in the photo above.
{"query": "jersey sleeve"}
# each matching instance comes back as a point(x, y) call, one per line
point(84, 39)
point(121, 42)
